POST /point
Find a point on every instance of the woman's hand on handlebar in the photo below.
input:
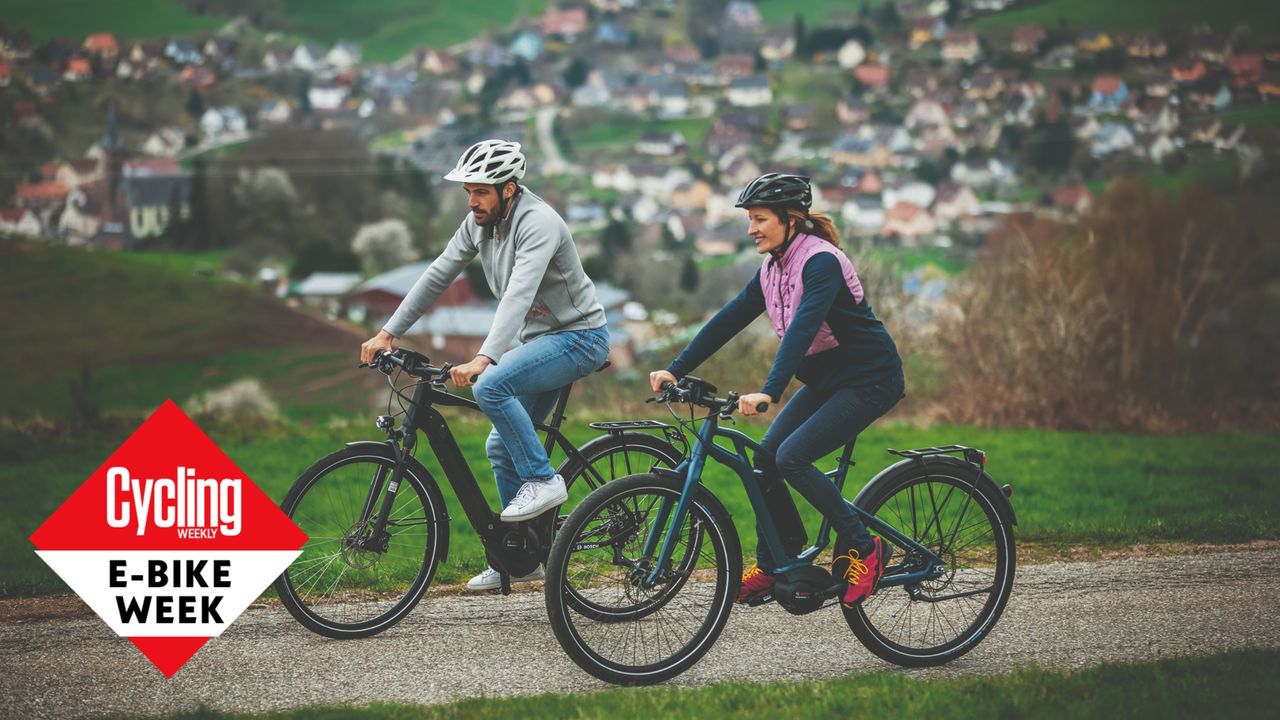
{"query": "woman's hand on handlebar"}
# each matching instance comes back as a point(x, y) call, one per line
point(381, 341)
point(752, 404)
point(658, 377)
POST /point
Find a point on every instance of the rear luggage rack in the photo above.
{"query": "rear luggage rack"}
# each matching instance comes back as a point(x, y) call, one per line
point(972, 455)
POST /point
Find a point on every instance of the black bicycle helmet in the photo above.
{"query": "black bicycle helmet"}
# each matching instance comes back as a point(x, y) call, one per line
point(777, 190)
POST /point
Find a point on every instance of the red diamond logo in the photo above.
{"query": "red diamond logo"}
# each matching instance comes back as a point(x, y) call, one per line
point(168, 541)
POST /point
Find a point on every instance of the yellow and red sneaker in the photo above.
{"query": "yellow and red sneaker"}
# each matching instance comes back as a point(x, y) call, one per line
point(862, 574)
point(756, 583)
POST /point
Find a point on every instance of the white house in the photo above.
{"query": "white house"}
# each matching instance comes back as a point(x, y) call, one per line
point(220, 122)
point(749, 92)
point(307, 56)
point(22, 221)
point(864, 213)
point(851, 54)
point(1112, 138)
point(166, 142)
point(274, 112)
point(919, 194)
point(671, 100)
point(614, 177)
point(343, 56)
point(327, 97)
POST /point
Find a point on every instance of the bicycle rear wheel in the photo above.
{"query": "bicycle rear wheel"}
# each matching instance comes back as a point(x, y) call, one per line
point(598, 557)
point(940, 506)
point(338, 589)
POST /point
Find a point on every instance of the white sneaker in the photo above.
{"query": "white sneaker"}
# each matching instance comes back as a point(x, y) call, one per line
point(535, 498)
point(491, 579)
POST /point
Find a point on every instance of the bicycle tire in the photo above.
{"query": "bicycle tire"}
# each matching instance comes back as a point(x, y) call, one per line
point(664, 454)
point(354, 610)
point(921, 501)
point(723, 563)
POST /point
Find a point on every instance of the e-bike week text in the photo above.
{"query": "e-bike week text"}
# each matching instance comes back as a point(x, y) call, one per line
point(198, 508)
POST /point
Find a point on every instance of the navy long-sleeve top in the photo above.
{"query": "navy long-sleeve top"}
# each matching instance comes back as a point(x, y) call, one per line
point(866, 354)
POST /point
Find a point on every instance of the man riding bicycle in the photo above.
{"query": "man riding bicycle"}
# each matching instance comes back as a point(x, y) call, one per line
point(546, 302)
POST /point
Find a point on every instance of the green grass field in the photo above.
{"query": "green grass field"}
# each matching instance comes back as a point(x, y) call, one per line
point(1264, 115)
point(1069, 488)
point(619, 133)
point(1228, 685)
point(823, 12)
point(385, 29)
point(389, 29)
point(149, 328)
point(127, 19)
point(1262, 18)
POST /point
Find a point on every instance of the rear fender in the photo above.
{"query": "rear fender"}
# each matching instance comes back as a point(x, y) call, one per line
point(1004, 508)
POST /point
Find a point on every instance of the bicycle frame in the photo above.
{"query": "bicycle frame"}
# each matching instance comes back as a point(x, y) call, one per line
point(691, 468)
point(423, 415)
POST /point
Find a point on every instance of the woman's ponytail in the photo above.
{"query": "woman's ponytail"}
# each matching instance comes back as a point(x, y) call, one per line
point(816, 223)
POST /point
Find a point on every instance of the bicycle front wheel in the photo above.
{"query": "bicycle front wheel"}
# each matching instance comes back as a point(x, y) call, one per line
point(940, 506)
point(599, 556)
point(341, 587)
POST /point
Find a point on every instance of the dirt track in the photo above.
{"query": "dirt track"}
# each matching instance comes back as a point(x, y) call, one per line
point(1063, 614)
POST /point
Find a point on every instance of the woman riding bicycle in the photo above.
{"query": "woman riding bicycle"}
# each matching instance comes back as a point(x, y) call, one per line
point(832, 342)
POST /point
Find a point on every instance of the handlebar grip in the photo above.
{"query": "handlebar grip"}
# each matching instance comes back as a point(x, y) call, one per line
point(666, 385)
point(474, 378)
point(762, 407)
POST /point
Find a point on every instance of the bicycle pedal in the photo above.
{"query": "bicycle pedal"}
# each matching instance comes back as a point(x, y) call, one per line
point(759, 600)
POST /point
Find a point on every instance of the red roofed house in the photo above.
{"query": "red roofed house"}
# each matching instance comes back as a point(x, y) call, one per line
point(1246, 68)
point(79, 172)
point(1188, 70)
point(908, 220)
point(78, 68)
point(735, 65)
point(197, 77)
point(40, 194)
point(438, 62)
point(103, 45)
point(19, 220)
point(960, 46)
point(873, 75)
point(568, 23)
point(1027, 38)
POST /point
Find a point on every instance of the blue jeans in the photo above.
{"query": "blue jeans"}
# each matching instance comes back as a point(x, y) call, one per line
point(522, 388)
point(812, 425)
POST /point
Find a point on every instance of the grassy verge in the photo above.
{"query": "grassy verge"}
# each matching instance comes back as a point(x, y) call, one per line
point(389, 29)
point(1070, 489)
point(1235, 684)
point(1263, 19)
point(127, 19)
point(148, 327)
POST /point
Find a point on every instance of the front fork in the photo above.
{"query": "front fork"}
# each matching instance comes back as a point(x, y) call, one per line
point(376, 538)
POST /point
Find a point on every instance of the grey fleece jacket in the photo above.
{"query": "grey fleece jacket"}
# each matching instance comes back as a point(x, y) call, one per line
point(532, 267)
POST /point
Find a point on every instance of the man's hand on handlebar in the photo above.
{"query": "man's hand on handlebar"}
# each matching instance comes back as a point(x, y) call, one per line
point(754, 404)
point(381, 341)
point(467, 373)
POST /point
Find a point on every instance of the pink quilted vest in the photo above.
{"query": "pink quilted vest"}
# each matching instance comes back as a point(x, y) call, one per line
point(783, 286)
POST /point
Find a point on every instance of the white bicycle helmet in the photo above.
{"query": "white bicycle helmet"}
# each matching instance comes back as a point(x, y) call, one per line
point(491, 162)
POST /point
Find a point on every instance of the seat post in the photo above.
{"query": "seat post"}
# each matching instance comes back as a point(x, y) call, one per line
point(557, 417)
point(848, 451)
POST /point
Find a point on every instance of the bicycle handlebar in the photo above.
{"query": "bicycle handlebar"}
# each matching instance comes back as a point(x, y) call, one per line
point(698, 392)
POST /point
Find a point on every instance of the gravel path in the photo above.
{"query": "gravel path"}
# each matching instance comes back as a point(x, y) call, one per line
point(1062, 615)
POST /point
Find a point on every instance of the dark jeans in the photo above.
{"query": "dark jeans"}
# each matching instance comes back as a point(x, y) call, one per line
point(812, 425)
